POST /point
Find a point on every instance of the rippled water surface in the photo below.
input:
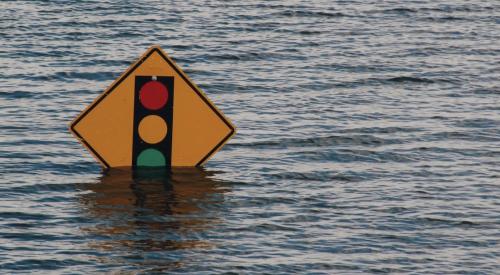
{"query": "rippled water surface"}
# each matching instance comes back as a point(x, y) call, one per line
point(368, 138)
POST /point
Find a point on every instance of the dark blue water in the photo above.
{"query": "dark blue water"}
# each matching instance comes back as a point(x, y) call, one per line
point(368, 139)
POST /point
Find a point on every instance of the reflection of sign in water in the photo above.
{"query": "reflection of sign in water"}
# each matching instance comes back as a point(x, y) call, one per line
point(153, 115)
point(151, 212)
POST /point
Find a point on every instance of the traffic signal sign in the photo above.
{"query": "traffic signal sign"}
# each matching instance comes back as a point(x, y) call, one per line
point(145, 121)
point(153, 118)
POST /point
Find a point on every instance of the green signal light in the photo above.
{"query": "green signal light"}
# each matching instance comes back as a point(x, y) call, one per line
point(151, 158)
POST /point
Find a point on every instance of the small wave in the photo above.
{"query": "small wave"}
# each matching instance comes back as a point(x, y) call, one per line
point(71, 76)
point(383, 130)
point(478, 123)
point(368, 140)
point(250, 56)
point(17, 94)
point(21, 236)
point(38, 189)
point(310, 32)
point(302, 13)
point(446, 18)
point(484, 91)
point(445, 222)
point(102, 62)
point(38, 54)
point(397, 10)
point(461, 151)
point(40, 264)
point(323, 176)
point(85, 75)
point(477, 136)
point(24, 216)
point(245, 17)
point(398, 80)
point(400, 10)
point(455, 8)
point(402, 79)
point(181, 47)
point(352, 155)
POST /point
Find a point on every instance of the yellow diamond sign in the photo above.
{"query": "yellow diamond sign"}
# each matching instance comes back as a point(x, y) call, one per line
point(152, 116)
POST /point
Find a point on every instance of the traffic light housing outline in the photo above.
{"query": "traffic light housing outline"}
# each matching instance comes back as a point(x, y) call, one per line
point(141, 112)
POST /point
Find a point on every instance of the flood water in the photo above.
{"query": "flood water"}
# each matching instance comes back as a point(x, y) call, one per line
point(368, 139)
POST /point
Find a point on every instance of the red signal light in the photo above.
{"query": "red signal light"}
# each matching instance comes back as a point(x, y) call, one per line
point(153, 95)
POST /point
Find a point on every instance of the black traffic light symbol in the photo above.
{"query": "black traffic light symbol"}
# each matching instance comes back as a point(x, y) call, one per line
point(153, 113)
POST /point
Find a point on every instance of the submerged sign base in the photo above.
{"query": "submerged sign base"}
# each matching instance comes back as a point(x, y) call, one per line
point(152, 116)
